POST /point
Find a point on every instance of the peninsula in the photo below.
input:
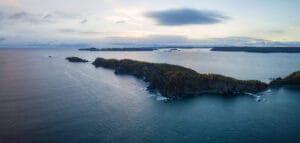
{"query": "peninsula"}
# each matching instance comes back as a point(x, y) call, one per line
point(175, 81)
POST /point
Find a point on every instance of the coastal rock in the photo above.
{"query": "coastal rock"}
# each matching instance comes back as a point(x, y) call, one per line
point(176, 81)
point(76, 60)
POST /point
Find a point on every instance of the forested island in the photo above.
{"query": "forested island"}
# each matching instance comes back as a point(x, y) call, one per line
point(175, 81)
point(258, 49)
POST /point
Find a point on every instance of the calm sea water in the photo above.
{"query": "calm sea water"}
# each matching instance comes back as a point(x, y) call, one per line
point(46, 99)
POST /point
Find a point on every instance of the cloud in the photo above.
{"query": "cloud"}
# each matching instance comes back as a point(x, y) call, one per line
point(2, 39)
point(65, 15)
point(1, 16)
point(21, 16)
point(276, 31)
point(67, 30)
point(16, 17)
point(83, 21)
point(153, 40)
point(186, 16)
point(10, 2)
point(47, 16)
point(75, 31)
point(181, 41)
point(56, 15)
point(120, 22)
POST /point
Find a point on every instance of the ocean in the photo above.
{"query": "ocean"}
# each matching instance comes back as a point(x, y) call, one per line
point(47, 99)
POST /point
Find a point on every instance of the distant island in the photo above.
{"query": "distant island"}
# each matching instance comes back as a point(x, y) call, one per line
point(173, 49)
point(150, 48)
point(258, 49)
point(76, 60)
point(117, 49)
point(174, 81)
point(89, 49)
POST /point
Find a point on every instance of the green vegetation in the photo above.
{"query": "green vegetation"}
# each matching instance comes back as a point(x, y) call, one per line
point(291, 80)
point(176, 81)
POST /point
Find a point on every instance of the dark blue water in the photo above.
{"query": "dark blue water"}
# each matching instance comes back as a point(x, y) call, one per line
point(46, 99)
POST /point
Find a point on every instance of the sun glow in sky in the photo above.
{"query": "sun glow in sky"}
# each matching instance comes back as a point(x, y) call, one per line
point(155, 21)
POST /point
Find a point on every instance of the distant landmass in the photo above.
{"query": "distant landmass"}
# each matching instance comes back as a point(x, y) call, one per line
point(89, 49)
point(223, 49)
point(151, 48)
point(258, 49)
point(117, 49)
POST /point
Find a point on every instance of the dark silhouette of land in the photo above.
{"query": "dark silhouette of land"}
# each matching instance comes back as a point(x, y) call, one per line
point(175, 81)
point(76, 60)
point(292, 80)
point(118, 49)
point(223, 49)
point(258, 49)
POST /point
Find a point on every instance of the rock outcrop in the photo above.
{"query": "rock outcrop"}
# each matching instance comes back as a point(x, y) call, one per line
point(76, 60)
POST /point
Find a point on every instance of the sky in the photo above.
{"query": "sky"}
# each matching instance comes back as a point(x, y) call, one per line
point(128, 23)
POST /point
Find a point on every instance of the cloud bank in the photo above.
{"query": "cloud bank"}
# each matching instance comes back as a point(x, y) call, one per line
point(149, 41)
point(181, 41)
point(33, 18)
point(2, 39)
point(186, 16)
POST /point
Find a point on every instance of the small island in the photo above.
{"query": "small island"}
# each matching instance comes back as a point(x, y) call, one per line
point(292, 80)
point(89, 49)
point(118, 49)
point(175, 81)
point(173, 50)
point(76, 60)
point(258, 49)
